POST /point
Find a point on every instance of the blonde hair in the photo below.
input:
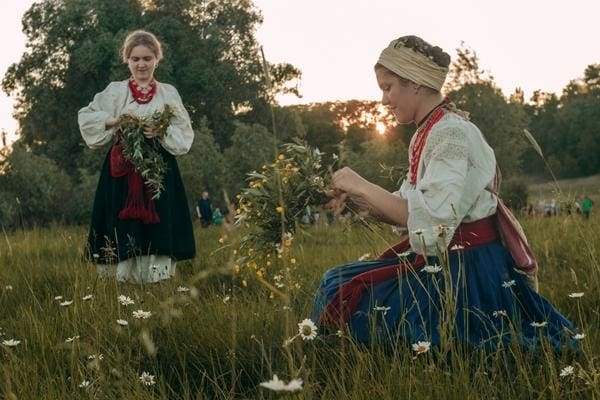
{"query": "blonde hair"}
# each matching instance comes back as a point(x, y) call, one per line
point(141, 38)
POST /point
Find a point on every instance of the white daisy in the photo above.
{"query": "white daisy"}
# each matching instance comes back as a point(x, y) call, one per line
point(85, 384)
point(147, 379)
point(576, 295)
point(508, 284)
point(307, 329)
point(382, 308)
point(141, 314)
point(66, 303)
point(566, 371)
point(539, 324)
point(122, 322)
point(421, 347)
point(125, 300)
point(432, 269)
point(278, 385)
point(11, 342)
point(364, 257)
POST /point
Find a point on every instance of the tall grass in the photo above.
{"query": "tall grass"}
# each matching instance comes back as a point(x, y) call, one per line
point(226, 335)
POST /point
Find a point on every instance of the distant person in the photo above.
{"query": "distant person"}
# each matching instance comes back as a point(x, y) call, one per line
point(586, 207)
point(204, 210)
point(217, 217)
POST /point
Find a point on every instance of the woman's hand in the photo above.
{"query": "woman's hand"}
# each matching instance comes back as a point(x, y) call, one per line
point(347, 185)
point(348, 181)
point(150, 131)
point(111, 123)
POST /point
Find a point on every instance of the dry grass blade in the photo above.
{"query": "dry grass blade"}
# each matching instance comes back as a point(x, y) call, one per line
point(533, 142)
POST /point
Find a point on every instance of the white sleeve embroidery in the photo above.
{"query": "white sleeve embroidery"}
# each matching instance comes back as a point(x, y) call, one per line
point(437, 198)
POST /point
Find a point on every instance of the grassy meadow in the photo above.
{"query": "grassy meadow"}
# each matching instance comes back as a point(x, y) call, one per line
point(228, 333)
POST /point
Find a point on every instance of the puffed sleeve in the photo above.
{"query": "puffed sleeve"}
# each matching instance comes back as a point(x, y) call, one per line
point(440, 198)
point(92, 119)
point(180, 136)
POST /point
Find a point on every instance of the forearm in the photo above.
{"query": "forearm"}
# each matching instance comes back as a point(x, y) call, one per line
point(385, 206)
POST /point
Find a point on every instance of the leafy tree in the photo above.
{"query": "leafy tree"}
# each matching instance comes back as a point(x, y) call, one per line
point(211, 56)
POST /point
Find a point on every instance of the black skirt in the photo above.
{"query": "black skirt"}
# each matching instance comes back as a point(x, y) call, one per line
point(112, 240)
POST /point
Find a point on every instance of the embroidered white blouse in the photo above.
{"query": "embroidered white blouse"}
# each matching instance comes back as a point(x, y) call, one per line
point(454, 180)
point(117, 100)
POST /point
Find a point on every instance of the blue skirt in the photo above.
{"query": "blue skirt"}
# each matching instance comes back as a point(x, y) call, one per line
point(493, 303)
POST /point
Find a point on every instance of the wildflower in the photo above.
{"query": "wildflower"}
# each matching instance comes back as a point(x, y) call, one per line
point(278, 385)
point(539, 324)
point(576, 295)
point(226, 299)
point(566, 371)
point(11, 342)
point(339, 333)
point(141, 314)
point(147, 379)
point(85, 384)
point(66, 303)
point(578, 336)
point(122, 322)
point(432, 269)
point(441, 230)
point(293, 261)
point(125, 300)
point(382, 308)
point(421, 347)
point(364, 257)
point(307, 329)
point(281, 157)
point(500, 313)
point(71, 339)
point(182, 289)
point(88, 297)
point(508, 284)
point(221, 240)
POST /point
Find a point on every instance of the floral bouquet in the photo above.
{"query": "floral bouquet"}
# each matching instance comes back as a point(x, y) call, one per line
point(144, 153)
point(278, 196)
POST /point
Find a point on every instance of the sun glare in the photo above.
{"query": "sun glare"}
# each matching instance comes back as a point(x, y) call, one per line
point(380, 127)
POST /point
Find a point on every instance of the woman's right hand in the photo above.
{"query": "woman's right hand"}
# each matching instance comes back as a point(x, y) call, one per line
point(111, 122)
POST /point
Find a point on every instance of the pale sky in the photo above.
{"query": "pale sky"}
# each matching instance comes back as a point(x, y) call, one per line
point(532, 44)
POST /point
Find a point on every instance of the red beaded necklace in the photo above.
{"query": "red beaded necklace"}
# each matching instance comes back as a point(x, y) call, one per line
point(140, 94)
point(418, 144)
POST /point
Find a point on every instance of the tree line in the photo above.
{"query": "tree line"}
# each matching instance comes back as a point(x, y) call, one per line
point(212, 56)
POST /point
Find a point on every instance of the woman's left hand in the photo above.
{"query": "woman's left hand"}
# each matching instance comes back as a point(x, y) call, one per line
point(150, 131)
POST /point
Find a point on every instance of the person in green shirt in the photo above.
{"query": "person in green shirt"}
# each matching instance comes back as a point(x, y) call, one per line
point(586, 207)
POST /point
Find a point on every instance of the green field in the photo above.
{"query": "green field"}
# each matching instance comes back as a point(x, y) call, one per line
point(226, 335)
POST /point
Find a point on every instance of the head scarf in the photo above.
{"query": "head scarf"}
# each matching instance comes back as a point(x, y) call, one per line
point(412, 65)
